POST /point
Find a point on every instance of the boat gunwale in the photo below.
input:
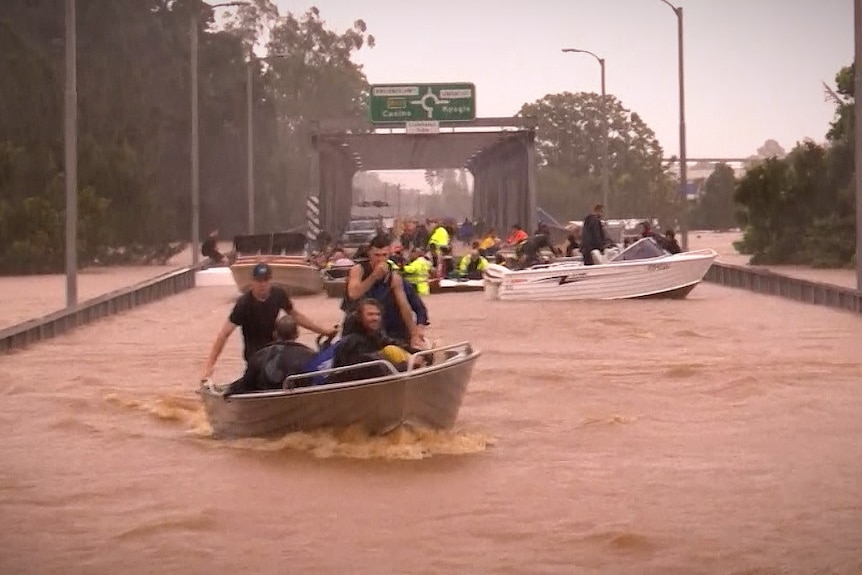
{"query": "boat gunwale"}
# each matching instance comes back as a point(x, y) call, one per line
point(207, 389)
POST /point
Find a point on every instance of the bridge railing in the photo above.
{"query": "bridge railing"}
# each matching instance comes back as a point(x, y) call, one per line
point(59, 322)
point(798, 289)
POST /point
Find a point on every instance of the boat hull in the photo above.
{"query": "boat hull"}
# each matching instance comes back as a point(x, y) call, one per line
point(671, 276)
point(428, 397)
point(456, 286)
point(291, 273)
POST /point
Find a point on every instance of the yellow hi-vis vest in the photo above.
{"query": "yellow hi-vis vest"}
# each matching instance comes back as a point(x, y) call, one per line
point(439, 237)
point(417, 272)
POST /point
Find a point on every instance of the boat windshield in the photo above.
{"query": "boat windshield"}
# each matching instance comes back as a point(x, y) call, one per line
point(643, 249)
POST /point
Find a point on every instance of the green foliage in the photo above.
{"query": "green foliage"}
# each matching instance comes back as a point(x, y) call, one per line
point(571, 128)
point(800, 209)
point(134, 128)
point(716, 209)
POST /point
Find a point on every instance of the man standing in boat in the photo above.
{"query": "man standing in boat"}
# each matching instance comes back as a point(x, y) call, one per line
point(593, 235)
point(374, 279)
point(255, 312)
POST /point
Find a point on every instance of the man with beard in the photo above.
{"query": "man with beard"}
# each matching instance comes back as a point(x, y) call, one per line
point(368, 342)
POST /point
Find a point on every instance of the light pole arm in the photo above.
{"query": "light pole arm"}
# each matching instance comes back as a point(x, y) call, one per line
point(579, 51)
point(672, 7)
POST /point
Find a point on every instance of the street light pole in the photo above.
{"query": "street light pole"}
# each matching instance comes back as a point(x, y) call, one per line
point(71, 157)
point(196, 235)
point(250, 143)
point(249, 104)
point(857, 106)
point(683, 165)
point(605, 175)
point(196, 208)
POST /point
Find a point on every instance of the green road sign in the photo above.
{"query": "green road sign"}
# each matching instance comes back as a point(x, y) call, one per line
point(417, 102)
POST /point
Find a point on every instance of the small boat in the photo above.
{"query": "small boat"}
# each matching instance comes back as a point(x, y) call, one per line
point(425, 397)
point(457, 285)
point(285, 253)
point(641, 270)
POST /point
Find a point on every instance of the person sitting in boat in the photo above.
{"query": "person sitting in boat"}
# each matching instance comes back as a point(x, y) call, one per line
point(528, 250)
point(338, 259)
point(374, 279)
point(473, 264)
point(573, 241)
point(209, 249)
point(269, 366)
point(671, 244)
point(417, 271)
point(593, 236)
point(255, 312)
point(368, 342)
point(490, 243)
point(516, 236)
point(647, 232)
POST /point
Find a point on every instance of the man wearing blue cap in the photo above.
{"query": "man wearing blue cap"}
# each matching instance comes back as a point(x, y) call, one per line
point(255, 312)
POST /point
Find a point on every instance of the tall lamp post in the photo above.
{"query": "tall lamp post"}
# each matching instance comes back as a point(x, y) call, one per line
point(249, 102)
point(857, 107)
point(605, 176)
point(71, 157)
point(683, 166)
point(196, 208)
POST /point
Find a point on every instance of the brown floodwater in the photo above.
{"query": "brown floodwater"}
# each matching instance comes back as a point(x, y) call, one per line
point(718, 434)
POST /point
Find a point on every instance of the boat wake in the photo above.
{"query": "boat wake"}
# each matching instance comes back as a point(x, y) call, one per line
point(354, 442)
point(403, 443)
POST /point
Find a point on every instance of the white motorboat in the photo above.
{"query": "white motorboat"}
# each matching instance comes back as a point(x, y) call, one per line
point(426, 397)
point(641, 270)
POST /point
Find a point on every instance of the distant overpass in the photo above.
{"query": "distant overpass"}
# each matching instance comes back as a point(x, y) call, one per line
point(675, 160)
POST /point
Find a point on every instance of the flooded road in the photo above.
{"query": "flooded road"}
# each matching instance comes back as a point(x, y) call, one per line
point(719, 434)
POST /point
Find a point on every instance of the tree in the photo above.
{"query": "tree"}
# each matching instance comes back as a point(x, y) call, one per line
point(570, 131)
point(771, 149)
point(135, 125)
point(800, 209)
point(716, 208)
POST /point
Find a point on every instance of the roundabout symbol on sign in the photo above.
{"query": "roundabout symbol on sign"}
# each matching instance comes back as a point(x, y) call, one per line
point(429, 108)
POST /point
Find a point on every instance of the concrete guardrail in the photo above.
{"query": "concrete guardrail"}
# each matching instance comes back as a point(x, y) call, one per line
point(59, 322)
point(767, 282)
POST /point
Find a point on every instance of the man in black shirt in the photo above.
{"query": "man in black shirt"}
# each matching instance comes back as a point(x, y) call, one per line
point(593, 235)
point(255, 312)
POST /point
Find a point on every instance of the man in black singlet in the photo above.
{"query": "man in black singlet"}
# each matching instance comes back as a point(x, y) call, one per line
point(374, 279)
